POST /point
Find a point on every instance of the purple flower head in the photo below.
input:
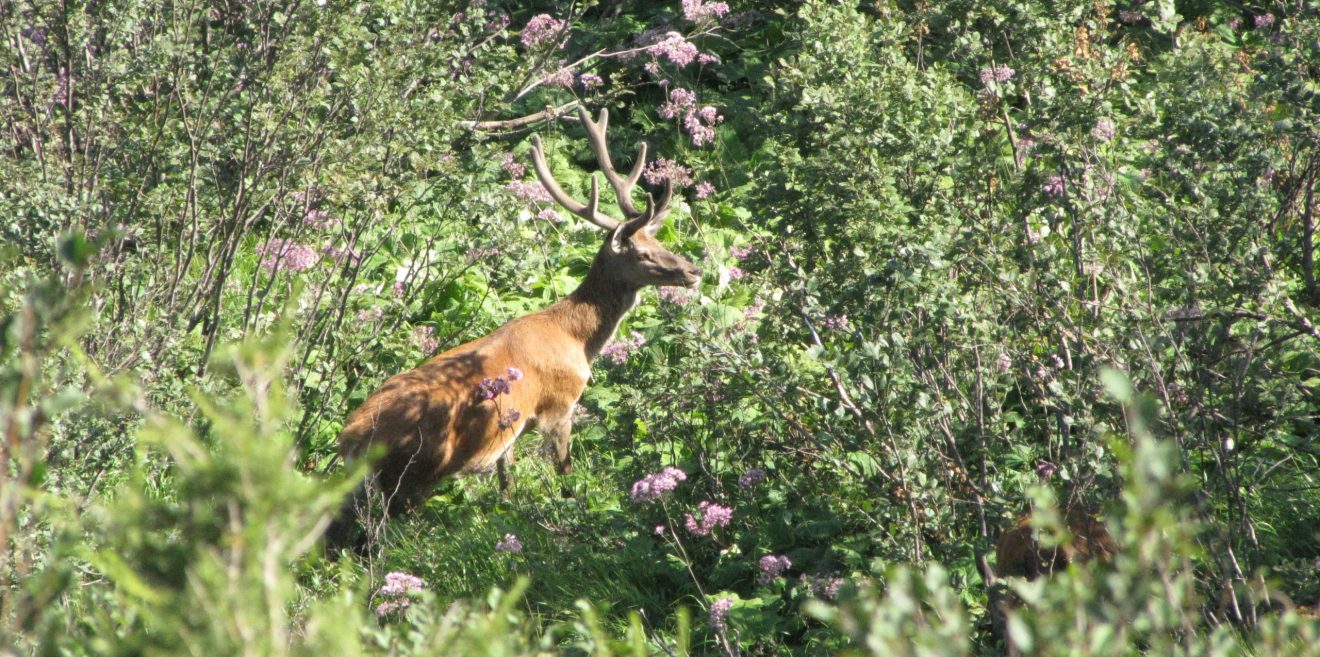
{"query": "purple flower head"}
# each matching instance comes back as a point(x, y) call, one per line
point(675, 295)
point(1235, 22)
point(1004, 363)
point(675, 48)
point(618, 350)
point(395, 591)
point(834, 322)
point(510, 544)
point(562, 77)
point(659, 530)
point(653, 486)
point(543, 28)
point(680, 100)
point(825, 588)
point(700, 10)
point(529, 191)
point(1264, 21)
point(751, 478)
point(509, 418)
point(736, 273)
point(550, 215)
point(286, 254)
point(318, 219)
point(719, 614)
point(772, 566)
point(492, 388)
point(514, 374)
point(370, 314)
point(741, 252)
point(996, 73)
point(1046, 470)
point(510, 164)
point(590, 80)
point(706, 59)
point(1104, 130)
point(1055, 186)
point(712, 515)
point(424, 338)
point(661, 169)
point(705, 189)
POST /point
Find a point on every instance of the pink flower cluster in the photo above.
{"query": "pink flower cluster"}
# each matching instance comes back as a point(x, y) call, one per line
point(661, 169)
point(751, 478)
point(700, 10)
point(772, 566)
point(562, 77)
point(395, 591)
point(287, 254)
point(424, 338)
point(741, 252)
point(590, 80)
point(492, 388)
point(712, 515)
point(541, 29)
point(653, 486)
point(705, 189)
point(675, 48)
point(510, 545)
point(529, 191)
point(698, 122)
point(510, 164)
point(550, 215)
point(370, 314)
point(719, 614)
point(996, 73)
point(675, 295)
point(825, 588)
point(834, 322)
point(1055, 186)
point(318, 219)
point(618, 350)
point(1104, 130)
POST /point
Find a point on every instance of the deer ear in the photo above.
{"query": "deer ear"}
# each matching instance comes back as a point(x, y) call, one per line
point(619, 235)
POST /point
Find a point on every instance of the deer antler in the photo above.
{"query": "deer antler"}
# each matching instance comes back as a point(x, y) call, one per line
point(622, 185)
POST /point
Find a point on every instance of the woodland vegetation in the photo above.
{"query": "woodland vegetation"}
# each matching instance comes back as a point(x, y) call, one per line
point(963, 261)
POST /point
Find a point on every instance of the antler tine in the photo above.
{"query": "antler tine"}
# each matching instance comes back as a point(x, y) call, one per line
point(600, 147)
point(589, 211)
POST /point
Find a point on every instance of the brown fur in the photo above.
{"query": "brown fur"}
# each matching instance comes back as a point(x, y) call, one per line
point(1018, 554)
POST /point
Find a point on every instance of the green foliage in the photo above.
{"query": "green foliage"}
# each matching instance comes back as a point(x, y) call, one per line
point(964, 260)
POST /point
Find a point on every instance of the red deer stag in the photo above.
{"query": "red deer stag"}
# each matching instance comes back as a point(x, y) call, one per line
point(462, 410)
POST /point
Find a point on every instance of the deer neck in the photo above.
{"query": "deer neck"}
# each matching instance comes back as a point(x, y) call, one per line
point(596, 307)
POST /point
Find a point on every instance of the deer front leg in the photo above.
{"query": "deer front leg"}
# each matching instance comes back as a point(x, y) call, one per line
point(561, 434)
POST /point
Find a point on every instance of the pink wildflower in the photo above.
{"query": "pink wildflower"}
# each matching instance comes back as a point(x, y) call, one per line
point(659, 530)
point(834, 322)
point(719, 614)
point(675, 48)
point(1264, 21)
point(318, 219)
point(675, 295)
point(700, 10)
point(541, 29)
point(396, 591)
point(825, 588)
point(562, 78)
point(370, 314)
point(510, 545)
point(618, 350)
point(712, 515)
point(286, 254)
point(1103, 130)
point(771, 567)
point(529, 191)
point(590, 80)
point(653, 486)
point(424, 338)
point(549, 215)
point(706, 59)
point(680, 100)
point(751, 478)
point(514, 374)
point(996, 73)
point(492, 388)
point(661, 169)
point(705, 189)
point(741, 252)
point(1055, 186)
point(510, 164)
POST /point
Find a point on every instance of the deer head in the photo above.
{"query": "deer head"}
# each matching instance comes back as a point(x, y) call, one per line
point(631, 254)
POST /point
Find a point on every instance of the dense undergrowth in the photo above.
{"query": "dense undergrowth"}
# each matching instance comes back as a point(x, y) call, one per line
point(963, 260)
